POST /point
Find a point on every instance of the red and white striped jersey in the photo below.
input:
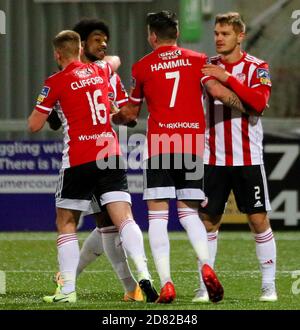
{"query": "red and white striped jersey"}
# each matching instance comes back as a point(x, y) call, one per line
point(117, 93)
point(233, 138)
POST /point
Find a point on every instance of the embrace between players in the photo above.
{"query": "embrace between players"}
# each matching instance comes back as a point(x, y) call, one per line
point(174, 82)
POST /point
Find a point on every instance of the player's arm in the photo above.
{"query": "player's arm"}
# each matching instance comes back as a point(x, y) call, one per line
point(255, 97)
point(36, 121)
point(225, 95)
point(129, 112)
point(44, 106)
point(114, 62)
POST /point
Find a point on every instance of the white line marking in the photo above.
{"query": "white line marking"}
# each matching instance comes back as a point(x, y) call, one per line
point(233, 272)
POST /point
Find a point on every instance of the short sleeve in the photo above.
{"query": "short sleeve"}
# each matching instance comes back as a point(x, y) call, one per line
point(205, 60)
point(47, 98)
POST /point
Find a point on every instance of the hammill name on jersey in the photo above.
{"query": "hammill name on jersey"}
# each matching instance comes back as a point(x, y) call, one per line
point(170, 64)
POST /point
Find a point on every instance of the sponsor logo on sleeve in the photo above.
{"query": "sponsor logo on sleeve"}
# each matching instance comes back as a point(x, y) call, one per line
point(44, 93)
point(264, 76)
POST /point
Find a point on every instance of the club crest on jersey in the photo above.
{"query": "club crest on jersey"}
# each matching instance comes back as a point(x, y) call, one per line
point(264, 76)
point(170, 55)
point(241, 77)
point(44, 93)
point(84, 73)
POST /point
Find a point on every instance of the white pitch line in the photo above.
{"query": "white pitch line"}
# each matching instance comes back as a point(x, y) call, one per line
point(233, 272)
point(33, 239)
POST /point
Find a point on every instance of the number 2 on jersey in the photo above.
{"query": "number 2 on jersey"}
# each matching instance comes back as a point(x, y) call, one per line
point(173, 75)
point(98, 110)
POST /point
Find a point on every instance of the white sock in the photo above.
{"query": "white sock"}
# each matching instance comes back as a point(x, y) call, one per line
point(190, 221)
point(132, 240)
point(68, 258)
point(113, 249)
point(91, 249)
point(266, 255)
point(159, 243)
point(212, 249)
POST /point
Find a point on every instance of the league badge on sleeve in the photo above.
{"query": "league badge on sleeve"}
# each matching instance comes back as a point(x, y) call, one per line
point(264, 76)
point(44, 93)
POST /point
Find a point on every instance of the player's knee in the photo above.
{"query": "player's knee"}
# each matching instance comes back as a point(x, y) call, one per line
point(209, 226)
point(65, 221)
point(259, 222)
point(210, 222)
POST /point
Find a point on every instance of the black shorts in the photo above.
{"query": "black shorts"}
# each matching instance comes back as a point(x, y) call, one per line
point(176, 177)
point(77, 185)
point(248, 183)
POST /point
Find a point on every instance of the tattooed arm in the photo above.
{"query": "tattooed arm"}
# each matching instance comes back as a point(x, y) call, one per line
point(226, 96)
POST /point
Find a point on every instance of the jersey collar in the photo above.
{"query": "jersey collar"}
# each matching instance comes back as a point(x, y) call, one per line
point(167, 47)
point(234, 63)
point(73, 65)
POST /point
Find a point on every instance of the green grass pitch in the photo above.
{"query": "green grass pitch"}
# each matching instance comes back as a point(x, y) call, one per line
point(29, 262)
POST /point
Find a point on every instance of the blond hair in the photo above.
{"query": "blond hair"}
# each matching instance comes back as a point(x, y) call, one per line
point(232, 18)
point(67, 42)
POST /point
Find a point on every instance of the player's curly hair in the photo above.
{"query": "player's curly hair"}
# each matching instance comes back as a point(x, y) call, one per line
point(232, 18)
point(87, 25)
point(164, 24)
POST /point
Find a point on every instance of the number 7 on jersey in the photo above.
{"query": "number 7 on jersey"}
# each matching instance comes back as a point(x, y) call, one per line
point(173, 75)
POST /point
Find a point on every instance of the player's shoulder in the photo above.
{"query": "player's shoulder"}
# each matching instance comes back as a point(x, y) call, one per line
point(54, 78)
point(192, 53)
point(145, 59)
point(101, 67)
point(140, 66)
point(101, 64)
point(255, 60)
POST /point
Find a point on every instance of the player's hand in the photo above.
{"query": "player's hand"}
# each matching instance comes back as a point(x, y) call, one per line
point(113, 108)
point(215, 71)
point(54, 121)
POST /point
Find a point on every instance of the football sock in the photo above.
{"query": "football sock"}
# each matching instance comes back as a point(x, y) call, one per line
point(91, 249)
point(114, 251)
point(159, 243)
point(68, 258)
point(266, 254)
point(190, 221)
point(132, 240)
point(212, 238)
